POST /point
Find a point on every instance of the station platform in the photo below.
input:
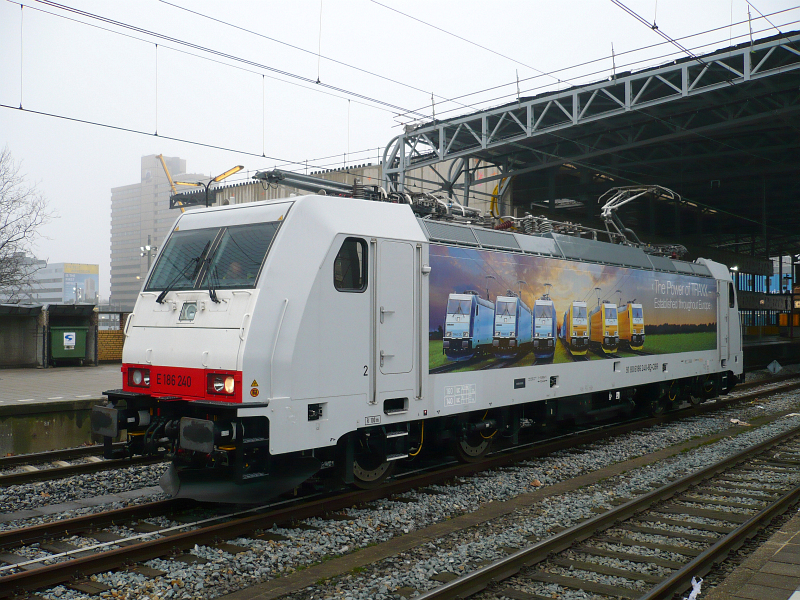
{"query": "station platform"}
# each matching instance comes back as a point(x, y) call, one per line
point(60, 384)
point(771, 573)
point(759, 351)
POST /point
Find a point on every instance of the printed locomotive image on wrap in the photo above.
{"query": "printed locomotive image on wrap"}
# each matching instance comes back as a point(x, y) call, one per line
point(495, 310)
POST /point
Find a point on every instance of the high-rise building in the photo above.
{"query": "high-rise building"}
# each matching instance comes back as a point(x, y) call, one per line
point(140, 216)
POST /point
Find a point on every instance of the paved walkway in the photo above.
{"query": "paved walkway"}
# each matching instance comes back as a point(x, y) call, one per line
point(31, 386)
point(771, 573)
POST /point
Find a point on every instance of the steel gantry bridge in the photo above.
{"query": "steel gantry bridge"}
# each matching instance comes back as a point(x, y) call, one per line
point(721, 129)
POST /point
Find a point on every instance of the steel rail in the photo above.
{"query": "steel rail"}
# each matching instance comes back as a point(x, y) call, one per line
point(174, 543)
point(503, 568)
point(16, 460)
point(680, 580)
point(79, 469)
point(11, 538)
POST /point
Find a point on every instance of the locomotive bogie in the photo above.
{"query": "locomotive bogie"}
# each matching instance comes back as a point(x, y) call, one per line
point(343, 340)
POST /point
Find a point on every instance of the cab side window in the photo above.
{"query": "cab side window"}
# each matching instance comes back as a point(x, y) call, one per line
point(731, 296)
point(350, 266)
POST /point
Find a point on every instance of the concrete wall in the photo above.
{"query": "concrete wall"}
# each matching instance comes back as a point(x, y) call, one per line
point(20, 341)
point(43, 427)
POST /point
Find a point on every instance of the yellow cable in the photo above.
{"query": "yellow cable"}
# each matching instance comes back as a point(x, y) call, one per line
point(421, 439)
point(495, 431)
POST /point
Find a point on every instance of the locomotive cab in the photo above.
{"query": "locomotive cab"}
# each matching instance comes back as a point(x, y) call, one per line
point(603, 327)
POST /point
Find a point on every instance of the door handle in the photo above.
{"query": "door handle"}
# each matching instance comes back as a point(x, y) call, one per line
point(384, 355)
point(385, 312)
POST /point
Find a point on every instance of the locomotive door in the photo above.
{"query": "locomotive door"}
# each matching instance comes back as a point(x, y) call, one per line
point(395, 320)
point(724, 322)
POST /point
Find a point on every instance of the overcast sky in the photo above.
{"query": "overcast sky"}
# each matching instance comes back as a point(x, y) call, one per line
point(55, 61)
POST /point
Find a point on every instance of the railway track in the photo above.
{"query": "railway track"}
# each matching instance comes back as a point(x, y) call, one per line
point(48, 466)
point(16, 460)
point(113, 551)
point(736, 502)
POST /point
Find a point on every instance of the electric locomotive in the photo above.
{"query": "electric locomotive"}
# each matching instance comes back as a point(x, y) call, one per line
point(272, 338)
point(468, 325)
point(604, 328)
point(545, 325)
point(630, 319)
point(513, 326)
point(574, 332)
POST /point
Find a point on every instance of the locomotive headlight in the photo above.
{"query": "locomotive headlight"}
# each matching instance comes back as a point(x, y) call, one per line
point(448, 334)
point(497, 333)
point(221, 384)
point(139, 377)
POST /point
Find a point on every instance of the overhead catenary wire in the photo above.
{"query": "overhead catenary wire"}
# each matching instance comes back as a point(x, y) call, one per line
point(206, 58)
point(763, 16)
point(463, 39)
point(200, 143)
point(221, 54)
point(318, 54)
point(600, 71)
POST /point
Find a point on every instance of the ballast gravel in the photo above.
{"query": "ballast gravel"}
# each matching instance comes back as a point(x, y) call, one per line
point(464, 550)
point(78, 487)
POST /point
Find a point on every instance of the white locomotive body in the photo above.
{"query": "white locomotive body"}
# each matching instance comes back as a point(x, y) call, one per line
point(274, 336)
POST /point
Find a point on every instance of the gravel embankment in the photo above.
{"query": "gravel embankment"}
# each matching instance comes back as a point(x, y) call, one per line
point(463, 550)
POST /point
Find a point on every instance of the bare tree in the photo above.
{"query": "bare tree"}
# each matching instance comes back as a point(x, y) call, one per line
point(23, 210)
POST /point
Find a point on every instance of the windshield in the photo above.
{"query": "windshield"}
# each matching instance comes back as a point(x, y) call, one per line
point(181, 260)
point(611, 313)
point(458, 307)
point(230, 260)
point(506, 309)
point(238, 257)
point(579, 312)
point(636, 312)
point(543, 311)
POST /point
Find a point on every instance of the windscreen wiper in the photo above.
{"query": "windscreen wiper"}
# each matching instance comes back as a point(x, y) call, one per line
point(212, 289)
point(197, 262)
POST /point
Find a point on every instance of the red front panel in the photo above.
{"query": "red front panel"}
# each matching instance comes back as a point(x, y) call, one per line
point(191, 384)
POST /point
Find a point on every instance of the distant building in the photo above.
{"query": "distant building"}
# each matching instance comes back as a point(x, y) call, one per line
point(140, 216)
point(62, 283)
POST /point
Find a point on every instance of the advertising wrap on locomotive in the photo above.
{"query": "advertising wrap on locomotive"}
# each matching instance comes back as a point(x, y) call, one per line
point(679, 311)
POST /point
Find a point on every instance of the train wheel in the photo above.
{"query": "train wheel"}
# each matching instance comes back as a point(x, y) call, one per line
point(708, 387)
point(370, 469)
point(656, 407)
point(472, 448)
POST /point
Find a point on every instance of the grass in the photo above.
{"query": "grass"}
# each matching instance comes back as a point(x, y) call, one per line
point(670, 343)
point(654, 344)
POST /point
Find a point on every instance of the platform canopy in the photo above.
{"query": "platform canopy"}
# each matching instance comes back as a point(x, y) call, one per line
point(720, 129)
